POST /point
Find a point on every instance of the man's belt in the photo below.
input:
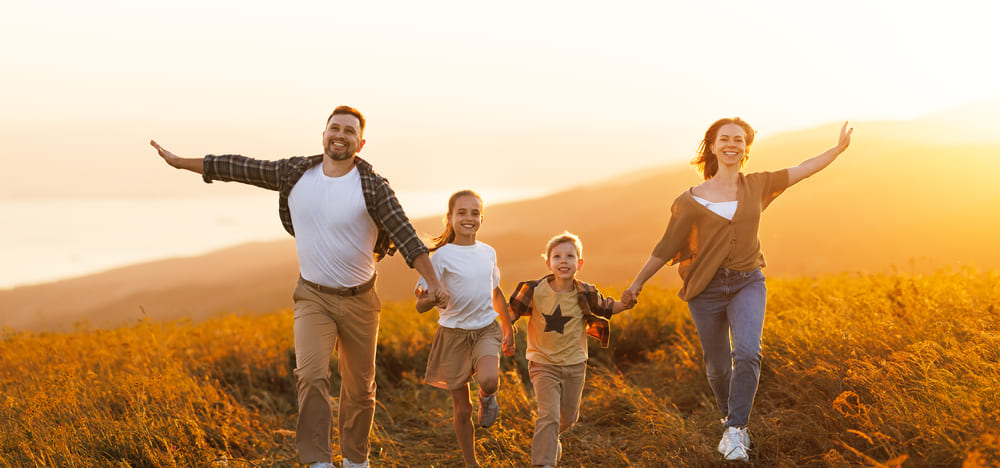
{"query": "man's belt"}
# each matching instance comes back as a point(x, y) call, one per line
point(351, 291)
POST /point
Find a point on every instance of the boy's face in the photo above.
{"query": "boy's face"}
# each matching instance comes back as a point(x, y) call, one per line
point(563, 261)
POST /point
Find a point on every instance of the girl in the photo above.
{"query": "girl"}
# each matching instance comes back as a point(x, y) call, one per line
point(468, 338)
point(712, 235)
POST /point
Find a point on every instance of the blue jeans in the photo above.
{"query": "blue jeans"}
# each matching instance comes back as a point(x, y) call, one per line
point(731, 307)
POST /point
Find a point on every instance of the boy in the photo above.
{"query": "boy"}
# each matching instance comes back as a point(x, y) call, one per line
point(562, 311)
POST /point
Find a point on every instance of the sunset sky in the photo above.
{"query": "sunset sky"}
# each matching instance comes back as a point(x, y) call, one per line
point(512, 98)
point(592, 87)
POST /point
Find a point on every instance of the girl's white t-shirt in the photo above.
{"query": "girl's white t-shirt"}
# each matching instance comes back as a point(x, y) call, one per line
point(470, 274)
point(334, 235)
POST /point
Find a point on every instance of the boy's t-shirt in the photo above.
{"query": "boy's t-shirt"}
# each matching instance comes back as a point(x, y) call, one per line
point(556, 330)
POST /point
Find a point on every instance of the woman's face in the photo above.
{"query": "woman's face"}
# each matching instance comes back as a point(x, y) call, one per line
point(730, 145)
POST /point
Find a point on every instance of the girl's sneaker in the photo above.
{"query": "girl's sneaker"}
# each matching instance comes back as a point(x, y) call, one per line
point(489, 409)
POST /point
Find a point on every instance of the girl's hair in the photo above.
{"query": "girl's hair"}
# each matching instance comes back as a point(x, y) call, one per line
point(568, 238)
point(449, 232)
point(707, 161)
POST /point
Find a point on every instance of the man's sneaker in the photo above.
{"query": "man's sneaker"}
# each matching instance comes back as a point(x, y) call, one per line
point(350, 464)
point(735, 444)
point(489, 409)
point(321, 465)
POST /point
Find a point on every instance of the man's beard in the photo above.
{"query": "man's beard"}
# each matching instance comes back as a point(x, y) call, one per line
point(339, 155)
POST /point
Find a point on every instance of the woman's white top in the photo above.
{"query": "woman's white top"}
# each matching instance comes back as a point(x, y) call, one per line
point(725, 209)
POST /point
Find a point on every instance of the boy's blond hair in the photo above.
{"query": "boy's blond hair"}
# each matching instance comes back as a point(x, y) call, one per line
point(565, 237)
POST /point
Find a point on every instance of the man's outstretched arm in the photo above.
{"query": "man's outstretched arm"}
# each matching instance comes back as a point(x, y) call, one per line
point(191, 164)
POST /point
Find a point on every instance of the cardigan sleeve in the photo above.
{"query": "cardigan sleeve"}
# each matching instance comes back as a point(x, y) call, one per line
point(774, 183)
point(675, 246)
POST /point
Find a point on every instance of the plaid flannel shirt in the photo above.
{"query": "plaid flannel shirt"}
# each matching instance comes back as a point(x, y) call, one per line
point(596, 308)
point(394, 228)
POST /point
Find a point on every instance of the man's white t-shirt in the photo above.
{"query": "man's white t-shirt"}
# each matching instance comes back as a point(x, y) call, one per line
point(334, 235)
point(469, 273)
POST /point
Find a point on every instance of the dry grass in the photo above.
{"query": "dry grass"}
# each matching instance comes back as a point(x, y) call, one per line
point(879, 370)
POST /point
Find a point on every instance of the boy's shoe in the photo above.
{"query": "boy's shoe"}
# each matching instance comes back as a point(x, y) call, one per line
point(735, 444)
point(350, 464)
point(321, 465)
point(489, 409)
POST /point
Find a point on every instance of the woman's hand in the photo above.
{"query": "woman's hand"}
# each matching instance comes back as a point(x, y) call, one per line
point(631, 296)
point(845, 137)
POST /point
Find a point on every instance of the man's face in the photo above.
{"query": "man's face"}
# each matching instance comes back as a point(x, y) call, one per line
point(342, 137)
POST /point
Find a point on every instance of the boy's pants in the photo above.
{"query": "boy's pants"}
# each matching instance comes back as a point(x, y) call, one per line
point(557, 390)
point(349, 324)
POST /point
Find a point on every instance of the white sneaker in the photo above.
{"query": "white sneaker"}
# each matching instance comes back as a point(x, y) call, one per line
point(350, 464)
point(321, 465)
point(735, 444)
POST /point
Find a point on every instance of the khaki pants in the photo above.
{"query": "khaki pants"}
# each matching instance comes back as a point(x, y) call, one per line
point(324, 322)
point(557, 390)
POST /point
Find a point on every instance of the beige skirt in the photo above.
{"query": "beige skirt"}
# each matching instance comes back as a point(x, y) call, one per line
point(455, 352)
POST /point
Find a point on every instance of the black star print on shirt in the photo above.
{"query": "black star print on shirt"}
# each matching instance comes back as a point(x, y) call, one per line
point(556, 321)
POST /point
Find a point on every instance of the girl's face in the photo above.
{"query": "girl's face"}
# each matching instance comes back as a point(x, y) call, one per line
point(730, 145)
point(466, 216)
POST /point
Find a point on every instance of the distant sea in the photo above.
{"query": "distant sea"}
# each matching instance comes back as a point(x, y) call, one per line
point(50, 240)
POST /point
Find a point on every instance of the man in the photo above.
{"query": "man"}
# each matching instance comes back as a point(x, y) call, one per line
point(344, 218)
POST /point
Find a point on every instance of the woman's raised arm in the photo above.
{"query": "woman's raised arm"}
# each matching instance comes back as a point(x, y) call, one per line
point(818, 162)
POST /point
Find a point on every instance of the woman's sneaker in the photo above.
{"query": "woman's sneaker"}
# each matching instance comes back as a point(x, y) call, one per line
point(735, 444)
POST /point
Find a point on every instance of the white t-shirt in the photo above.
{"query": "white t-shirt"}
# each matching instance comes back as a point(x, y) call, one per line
point(334, 235)
point(725, 209)
point(470, 274)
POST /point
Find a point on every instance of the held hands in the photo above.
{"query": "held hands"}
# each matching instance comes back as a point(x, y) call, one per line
point(631, 296)
point(428, 298)
point(438, 295)
point(508, 344)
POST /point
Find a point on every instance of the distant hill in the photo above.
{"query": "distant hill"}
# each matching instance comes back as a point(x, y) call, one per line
point(906, 195)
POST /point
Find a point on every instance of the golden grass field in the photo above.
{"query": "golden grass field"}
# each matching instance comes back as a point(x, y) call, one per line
point(858, 370)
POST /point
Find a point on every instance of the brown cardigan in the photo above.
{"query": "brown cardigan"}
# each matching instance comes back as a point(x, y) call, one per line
point(701, 241)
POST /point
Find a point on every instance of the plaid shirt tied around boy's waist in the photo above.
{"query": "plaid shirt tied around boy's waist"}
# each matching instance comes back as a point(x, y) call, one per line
point(596, 308)
point(394, 228)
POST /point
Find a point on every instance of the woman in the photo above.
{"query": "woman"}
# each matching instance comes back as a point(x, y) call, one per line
point(712, 237)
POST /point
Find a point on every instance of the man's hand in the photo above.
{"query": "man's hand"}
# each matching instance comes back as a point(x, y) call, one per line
point(191, 164)
point(439, 295)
